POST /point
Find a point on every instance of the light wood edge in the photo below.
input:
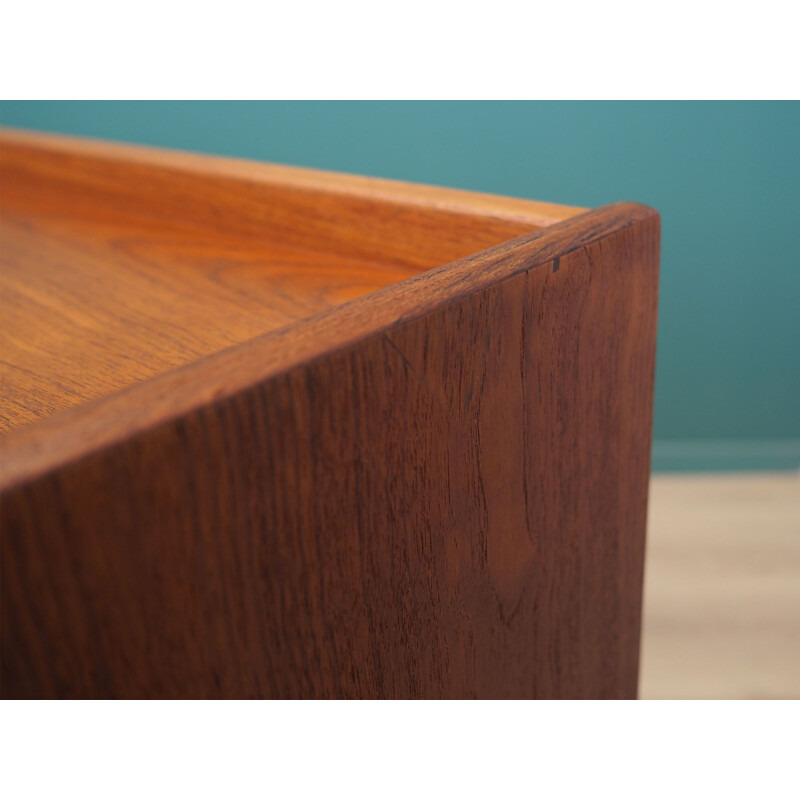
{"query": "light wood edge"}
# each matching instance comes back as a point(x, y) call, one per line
point(32, 451)
point(529, 212)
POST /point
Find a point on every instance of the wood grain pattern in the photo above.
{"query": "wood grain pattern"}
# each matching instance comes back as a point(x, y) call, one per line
point(118, 263)
point(435, 490)
point(90, 309)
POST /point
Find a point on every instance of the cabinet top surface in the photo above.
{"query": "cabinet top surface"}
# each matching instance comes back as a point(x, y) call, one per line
point(119, 263)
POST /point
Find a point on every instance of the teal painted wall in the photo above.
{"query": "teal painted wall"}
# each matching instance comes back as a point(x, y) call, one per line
point(725, 177)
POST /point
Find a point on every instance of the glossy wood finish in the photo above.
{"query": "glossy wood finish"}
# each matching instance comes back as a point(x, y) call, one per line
point(119, 263)
point(434, 490)
point(93, 308)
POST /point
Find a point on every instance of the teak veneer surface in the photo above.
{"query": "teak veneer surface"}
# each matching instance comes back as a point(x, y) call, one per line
point(119, 263)
point(435, 489)
point(92, 308)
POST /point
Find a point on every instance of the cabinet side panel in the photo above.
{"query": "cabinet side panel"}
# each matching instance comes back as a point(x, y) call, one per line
point(452, 507)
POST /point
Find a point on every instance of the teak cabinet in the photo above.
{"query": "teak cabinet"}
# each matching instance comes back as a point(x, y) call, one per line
point(277, 433)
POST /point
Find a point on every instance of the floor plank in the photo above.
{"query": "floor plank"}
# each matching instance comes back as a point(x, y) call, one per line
point(722, 587)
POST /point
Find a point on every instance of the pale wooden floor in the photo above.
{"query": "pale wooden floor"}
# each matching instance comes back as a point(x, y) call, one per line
point(722, 587)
